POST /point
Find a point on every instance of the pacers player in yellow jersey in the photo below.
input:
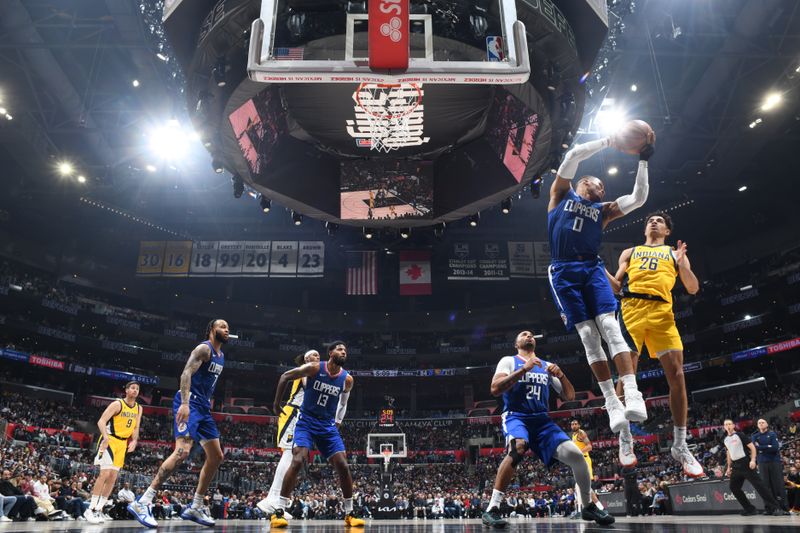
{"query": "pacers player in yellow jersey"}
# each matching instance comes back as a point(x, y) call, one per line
point(581, 440)
point(647, 315)
point(287, 419)
point(119, 432)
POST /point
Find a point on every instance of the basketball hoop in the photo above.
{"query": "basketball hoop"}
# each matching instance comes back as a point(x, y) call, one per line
point(388, 109)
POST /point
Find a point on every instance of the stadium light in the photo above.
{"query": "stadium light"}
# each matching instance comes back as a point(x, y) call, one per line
point(743, 188)
point(505, 206)
point(367, 233)
point(81, 179)
point(634, 88)
point(747, 317)
point(169, 142)
point(3, 110)
point(65, 168)
point(265, 203)
point(609, 119)
point(297, 218)
point(219, 72)
point(612, 171)
point(474, 219)
point(405, 233)
point(217, 165)
point(151, 168)
point(771, 101)
point(135, 83)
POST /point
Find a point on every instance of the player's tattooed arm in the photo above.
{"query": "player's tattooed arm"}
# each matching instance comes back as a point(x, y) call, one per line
point(503, 382)
point(304, 371)
point(199, 355)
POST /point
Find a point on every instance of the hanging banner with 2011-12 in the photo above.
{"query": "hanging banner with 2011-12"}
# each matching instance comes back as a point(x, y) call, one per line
point(502, 260)
point(285, 259)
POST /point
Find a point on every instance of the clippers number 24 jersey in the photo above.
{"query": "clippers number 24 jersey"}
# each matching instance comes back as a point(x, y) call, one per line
point(531, 394)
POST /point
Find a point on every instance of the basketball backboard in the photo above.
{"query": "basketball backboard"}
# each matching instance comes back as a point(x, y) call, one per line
point(381, 444)
point(431, 41)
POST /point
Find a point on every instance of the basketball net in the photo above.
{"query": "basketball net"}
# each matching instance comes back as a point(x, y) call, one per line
point(390, 111)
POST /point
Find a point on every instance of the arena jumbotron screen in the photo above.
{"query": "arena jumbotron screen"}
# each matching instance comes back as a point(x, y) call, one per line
point(376, 190)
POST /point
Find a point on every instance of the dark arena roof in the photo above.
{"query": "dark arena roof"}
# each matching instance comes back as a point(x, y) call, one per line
point(161, 166)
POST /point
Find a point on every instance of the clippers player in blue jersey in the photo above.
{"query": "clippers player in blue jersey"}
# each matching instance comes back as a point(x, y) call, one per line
point(524, 382)
point(575, 220)
point(328, 387)
point(193, 422)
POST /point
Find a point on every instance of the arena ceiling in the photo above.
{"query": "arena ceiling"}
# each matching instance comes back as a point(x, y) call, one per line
point(701, 69)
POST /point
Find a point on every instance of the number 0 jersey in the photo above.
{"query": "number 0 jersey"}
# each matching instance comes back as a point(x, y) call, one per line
point(322, 393)
point(531, 394)
point(652, 270)
point(575, 228)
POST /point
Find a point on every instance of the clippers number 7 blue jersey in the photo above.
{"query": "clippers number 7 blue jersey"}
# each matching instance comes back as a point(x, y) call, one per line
point(204, 381)
point(530, 395)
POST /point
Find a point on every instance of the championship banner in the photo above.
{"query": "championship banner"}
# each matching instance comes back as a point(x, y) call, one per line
point(204, 258)
point(312, 259)
point(520, 259)
point(478, 261)
point(256, 258)
point(230, 258)
point(151, 257)
point(415, 273)
point(284, 259)
point(177, 255)
point(541, 256)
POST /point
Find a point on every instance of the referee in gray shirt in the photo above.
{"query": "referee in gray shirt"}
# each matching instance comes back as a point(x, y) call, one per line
point(742, 466)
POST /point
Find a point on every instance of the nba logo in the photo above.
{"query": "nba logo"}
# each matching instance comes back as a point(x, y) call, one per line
point(494, 48)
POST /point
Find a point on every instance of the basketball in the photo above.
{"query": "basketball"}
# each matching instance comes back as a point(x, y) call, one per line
point(633, 136)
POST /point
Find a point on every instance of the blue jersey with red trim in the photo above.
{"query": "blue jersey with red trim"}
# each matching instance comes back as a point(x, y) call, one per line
point(322, 393)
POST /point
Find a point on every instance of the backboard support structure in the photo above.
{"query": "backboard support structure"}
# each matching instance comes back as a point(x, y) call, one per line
point(473, 46)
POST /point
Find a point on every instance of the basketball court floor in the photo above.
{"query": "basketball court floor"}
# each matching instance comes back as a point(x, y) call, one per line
point(661, 524)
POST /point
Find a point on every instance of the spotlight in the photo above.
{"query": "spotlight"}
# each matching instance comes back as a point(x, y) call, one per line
point(331, 227)
point(755, 123)
point(265, 203)
point(609, 119)
point(474, 219)
point(743, 188)
point(771, 101)
point(135, 83)
point(81, 179)
point(238, 185)
point(634, 88)
point(3, 110)
point(405, 233)
point(367, 233)
point(612, 171)
point(219, 72)
point(151, 168)
point(505, 206)
point(65, 168)
point(438, 230)
point(9, 117)
point(297, 218)
point(162, 57)
point(217, 165)
point(169, 142)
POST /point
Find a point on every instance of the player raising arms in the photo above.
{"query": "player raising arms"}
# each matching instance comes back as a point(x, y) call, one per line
point(524, 382)
point(287, 421)
point(647, 314)
point(193, 422)
point(328, 387)
point(575, 220)
point(119, 432)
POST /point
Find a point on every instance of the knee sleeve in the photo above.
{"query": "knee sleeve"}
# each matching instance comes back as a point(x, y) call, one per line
point(590, 338)
point(609, 328)
point(516, 457)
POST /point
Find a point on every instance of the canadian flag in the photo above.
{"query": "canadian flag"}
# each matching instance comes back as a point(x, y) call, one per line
point(415, 273)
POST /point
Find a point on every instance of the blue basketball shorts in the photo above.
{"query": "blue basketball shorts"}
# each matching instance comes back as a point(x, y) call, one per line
point(324, 433)
point(542, 434)
point(200, 426)
point(581, 290)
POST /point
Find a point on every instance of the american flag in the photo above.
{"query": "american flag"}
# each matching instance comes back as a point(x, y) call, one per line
point(362, 273)
point(288, 53)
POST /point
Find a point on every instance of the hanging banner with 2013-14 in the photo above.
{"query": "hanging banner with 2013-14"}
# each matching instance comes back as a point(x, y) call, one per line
point(284, 259)
point(502, 260)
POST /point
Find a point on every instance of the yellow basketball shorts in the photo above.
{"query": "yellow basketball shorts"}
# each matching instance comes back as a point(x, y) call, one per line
point(651, 324)
point(114, 456)
point(287, 421)
point(589, 462)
